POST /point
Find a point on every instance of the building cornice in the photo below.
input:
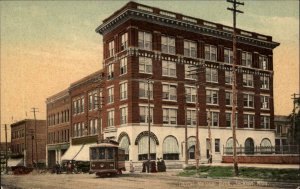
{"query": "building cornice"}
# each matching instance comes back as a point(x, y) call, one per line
point(204, 30)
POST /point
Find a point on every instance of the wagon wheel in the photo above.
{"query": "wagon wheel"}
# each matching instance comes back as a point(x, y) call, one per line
point(119, 172)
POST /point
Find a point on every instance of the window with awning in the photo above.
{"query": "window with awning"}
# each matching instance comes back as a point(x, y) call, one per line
point(143, 148)
point(170, 148)
point(124, 143)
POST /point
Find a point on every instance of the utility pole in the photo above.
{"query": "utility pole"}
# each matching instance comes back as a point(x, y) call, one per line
point(31, 132)
point(185, 136)
point(6, 149)
point(209, 137)
point(294, 98)
point(34, 110)
point(149, 114)
point(197, 153)
point(197, 83)
point(234, 96)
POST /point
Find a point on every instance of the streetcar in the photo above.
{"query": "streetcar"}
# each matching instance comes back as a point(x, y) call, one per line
point(107, 159)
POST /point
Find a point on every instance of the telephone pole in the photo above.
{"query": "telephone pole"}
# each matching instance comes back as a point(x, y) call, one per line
point(6, 170)
point(149, 122)
point(209, 137)
point(295, 99)
point(34, 110)
point(234, 96)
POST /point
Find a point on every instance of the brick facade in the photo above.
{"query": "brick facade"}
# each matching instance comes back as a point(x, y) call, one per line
point(23, 142)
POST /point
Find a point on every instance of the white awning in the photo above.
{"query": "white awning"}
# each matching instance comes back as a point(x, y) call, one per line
point(84, 154)
point(72, 152)
point(15, 162)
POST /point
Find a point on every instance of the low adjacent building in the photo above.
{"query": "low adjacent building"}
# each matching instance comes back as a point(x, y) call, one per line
point(28, 142)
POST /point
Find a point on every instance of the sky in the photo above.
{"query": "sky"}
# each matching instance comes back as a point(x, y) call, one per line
point(46, 45)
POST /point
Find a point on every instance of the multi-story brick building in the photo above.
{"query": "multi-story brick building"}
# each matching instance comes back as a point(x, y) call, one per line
point(58, 126)
point(85, 99)
point(27, 139)
point(143, 42)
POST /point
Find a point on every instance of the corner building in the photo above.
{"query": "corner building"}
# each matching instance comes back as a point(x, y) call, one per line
point(143, 42)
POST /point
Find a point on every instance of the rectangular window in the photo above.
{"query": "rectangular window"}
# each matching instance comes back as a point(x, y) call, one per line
point(111, 48)
point(210, 52)
point(248, 100)
point(91, 101)
point(265, 122)
point(81, 105)
point(93, 126)
point(247, 59)
point(123, 66)
point(123, 91)
point(264, 82)
point(263, 62)
point(247, 80)
point(265, 102)
point(191, 117)
point(97, 100)
point(190, 93)
point(75, 130)
point(190, 71)
point(228, 56)
point(190, 49)
point(124, 41)
point(217, 145)
point(143, 89)
point(212, 97)
point(168, 44)
point(169, 116)
point(123, 115)
point(168, 68)
point(229, 118)
point(111, 118)
point(228, 77)
point(248, 121)
point(145, 65)
point(74, 110)
point(110, 98)
point(214, 118)
point(228, 98)
point(144, 114)
point(110, 71)
point(211, 75)
point(169, 92)
point(145, 40)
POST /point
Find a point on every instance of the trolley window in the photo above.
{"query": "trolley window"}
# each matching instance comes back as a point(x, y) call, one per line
point(101, 153)
point(93, 153)
point(110, 153)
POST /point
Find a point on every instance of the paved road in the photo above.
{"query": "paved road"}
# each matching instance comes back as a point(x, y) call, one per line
point(126, 181)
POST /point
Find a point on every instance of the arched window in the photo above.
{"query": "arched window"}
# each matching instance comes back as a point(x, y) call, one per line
point(266, 146)
point(229, 146)
point(249, 146)
point(143, 148)
point(191, 147)
point(124, 143)
point(170, 148)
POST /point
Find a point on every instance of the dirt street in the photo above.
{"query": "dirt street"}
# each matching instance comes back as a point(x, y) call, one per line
point(125, 181)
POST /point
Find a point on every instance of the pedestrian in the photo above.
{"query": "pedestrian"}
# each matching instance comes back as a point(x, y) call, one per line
point(69, 167)
point(131, 168)
point(57, 168)
point(164, 168)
